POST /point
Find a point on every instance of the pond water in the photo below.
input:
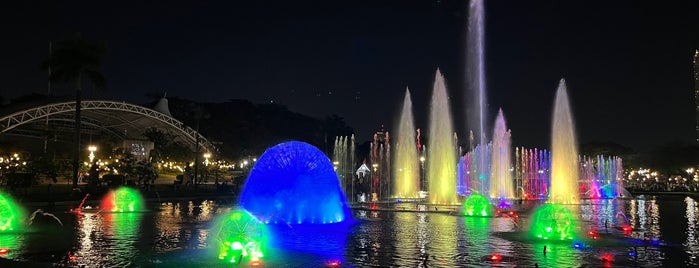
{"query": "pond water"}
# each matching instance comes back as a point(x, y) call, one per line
point(178, 234)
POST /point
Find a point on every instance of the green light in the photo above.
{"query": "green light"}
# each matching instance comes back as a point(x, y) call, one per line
point(239, 236)
point(124, 199)
point(477, 205)
point(10, 214)
point(553, 222)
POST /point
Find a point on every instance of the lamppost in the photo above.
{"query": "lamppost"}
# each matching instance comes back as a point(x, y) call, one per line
point(206, 158)
point(422, 173)
point(92, 150)
point(375, 183)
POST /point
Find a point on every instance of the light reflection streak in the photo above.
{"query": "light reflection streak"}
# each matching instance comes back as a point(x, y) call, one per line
point(691, 244)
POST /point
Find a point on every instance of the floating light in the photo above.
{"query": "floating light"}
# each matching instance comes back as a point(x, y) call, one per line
point(607, 257)
point(334, 263)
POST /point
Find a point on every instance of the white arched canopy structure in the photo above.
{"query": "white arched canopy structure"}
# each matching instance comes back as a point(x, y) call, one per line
point(120, 119)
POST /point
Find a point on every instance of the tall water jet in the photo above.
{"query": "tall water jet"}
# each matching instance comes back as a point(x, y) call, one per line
point(441, 157)
point(475, 65)
point(564, 163)
point(294, 183)
point(501, 185)
point(475, 60)
point(405, 165)
point(343, 161)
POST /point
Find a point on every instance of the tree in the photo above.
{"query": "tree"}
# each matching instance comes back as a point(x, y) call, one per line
point(73, 61)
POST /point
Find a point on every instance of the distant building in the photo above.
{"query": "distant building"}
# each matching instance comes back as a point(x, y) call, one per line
point(696, 91)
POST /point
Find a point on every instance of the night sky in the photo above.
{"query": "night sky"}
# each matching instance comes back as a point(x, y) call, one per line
point(628, 64)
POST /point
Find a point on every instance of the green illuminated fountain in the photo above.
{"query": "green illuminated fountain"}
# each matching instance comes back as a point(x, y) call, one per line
point(477, 205)
point(123, 199)
point(239, 238)
point(10, 214)
point(553, 222)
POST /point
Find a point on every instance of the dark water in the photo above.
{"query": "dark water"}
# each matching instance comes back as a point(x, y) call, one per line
point(178, 234)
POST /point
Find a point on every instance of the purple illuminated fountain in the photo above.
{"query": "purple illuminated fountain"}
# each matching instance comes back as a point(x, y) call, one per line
point(501, 184)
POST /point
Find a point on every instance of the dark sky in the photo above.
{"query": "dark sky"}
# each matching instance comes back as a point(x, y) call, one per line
point(628, 64)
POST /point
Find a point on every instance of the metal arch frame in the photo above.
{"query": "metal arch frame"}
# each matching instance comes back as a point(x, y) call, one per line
point(14, 120)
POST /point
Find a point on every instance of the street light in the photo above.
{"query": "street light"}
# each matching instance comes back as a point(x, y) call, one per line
point(92, 150)
point(206, 158)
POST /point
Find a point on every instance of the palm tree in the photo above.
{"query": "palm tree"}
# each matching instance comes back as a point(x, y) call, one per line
point(73, 60)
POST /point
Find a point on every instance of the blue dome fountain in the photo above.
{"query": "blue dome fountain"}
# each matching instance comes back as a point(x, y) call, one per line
point(294, 183)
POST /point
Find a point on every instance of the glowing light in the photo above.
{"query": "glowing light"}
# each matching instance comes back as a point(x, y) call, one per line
point(495, 257)
point(294, 182)
point(10, 214)
point(477, 205)
point(553, 222)
point(607, 257)
point(123, 199)
point(240, 237)
point(4, 251)
point(333, 263)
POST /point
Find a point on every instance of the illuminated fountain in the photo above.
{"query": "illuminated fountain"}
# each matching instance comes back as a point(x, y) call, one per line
point(294, 183)
point(532, 172)
point(477, 205)
point(239, 238)
point(11, 214)
point(441, 157)
point(123, 199)
point(553, 222)
point(564, 150)
point(476, 175)
point(343, 161)
point(601, 177)
point(405, 166)
point(501, 175)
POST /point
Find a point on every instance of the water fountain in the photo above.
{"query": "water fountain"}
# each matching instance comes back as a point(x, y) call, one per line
point(478, 179)
point(239, 237)
point(294, 183)
point(123, 199)
point(381, 165)
point(533, 172)
point(406, 167)
point(475, 60)
point(501, 184)
point(10, 214)
point(553, 221)
point(477, 205)
point(343, 161)
point(601, 177)
point(441, 157)
point(564, 150)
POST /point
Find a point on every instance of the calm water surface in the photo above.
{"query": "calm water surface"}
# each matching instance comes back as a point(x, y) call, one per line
point(178, 234)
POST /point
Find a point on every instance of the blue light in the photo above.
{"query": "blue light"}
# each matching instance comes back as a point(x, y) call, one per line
point(609, 191)
point(294, 183)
